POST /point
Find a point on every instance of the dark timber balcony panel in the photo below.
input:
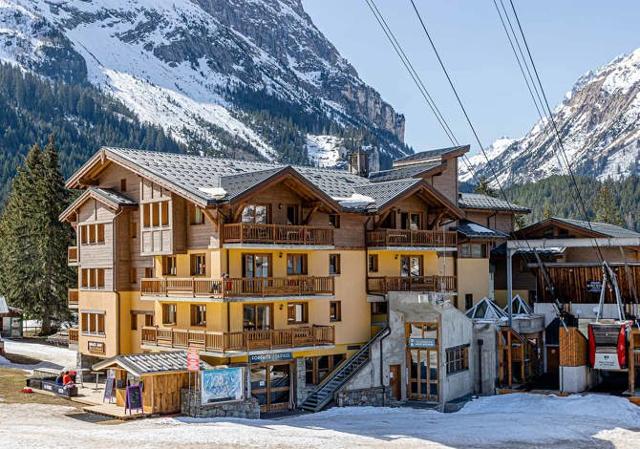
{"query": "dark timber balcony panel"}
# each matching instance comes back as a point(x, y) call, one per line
point(73, 298)
point(237, 287)
point(385, 284)
point(277, 234)
point(404, 237)
point(72, 255)
point(244, 341)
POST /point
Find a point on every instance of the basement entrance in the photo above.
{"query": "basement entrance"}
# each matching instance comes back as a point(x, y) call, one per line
point(423, 360)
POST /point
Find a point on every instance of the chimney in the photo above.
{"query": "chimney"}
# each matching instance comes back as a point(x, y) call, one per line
point(359, 163)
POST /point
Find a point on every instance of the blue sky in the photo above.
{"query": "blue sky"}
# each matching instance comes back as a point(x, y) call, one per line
point(567, 39)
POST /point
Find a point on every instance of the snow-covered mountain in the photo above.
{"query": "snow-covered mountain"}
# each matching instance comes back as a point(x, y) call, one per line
point(599, 121)
point(248, 78)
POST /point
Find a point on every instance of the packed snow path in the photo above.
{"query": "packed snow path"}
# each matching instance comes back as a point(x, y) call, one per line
point(56, 357)
point(510, 421)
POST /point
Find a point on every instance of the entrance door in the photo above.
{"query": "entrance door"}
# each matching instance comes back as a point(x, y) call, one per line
point(422, 360)
point(553, 361)
point(271, 385)
point(395, 381)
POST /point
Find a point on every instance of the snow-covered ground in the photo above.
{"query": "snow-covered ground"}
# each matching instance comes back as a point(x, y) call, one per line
point(508, 421)
point(50, 356)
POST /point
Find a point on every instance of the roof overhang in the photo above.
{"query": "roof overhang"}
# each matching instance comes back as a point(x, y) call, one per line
point(86, 196)
point(515, 245)
point(550, 222)
point(429, 193)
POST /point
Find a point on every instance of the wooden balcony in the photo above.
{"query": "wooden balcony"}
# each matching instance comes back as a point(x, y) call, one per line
point(385, 284)
point(72, 256)
point(73, 298)
point(245, 341)
point(195, 287)
point(276, 234)
point(404, 237)
point(72, 336)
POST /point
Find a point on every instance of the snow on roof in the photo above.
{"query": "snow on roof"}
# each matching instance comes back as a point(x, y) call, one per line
point(356, 200)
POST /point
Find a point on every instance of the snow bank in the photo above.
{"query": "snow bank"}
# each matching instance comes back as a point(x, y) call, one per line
point(355, 200)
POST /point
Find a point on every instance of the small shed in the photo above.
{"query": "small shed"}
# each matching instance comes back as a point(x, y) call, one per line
point(10, 320)
point(162, 375)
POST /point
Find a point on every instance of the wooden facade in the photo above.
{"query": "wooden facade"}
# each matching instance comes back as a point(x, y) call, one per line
point(385, 284)
point(573, 347)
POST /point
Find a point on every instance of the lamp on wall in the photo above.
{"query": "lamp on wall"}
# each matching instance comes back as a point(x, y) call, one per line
point(396, 257)
point(281, 306)
point(280, 255)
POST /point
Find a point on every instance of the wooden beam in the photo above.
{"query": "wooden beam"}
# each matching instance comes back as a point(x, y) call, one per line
point(208, 213)
point(238, 211)
point(311, 212)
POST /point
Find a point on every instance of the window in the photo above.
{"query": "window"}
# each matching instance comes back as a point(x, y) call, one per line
point(334, 263)
point(473, 250)
point(123, 185)
point(334, 220)
point(133, 276)
point(155, 214)
point(256, 265)
point(169, 266)
point(296, 264)
point(256, 317)
point(198, 265)
point(92, 278)
point(169, 313)
point(411, 220)
point(411, 266)
point(134, 321)
point(297, 313)
point(255, 213)
point(373, 263)
point(92, 323)
point(335, 311)
point(148, 319)
point(148, 272)
point(197, 216)
point(198, 315)
point(317, 368)
point(92, 234)
point(457, 359)
point(468, 301)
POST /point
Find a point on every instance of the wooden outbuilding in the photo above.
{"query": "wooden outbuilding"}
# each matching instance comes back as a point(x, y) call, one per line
point(10, 320)
point(162, 376)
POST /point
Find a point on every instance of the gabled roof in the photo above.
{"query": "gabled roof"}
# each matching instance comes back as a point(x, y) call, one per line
point(110, 198)
point(518, 307)
point(140, 364)
point(485, 202)
point(440, 153)
point(472, 230)
point(404, 172)
point(589, 229)
point(6, 310)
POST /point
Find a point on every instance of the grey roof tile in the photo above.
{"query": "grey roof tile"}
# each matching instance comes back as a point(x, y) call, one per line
point(383, 192)
point(479, 201)
point(139, 364)
point(113, 196)
point(431, 154)
point(610, 230)
point(474, 230)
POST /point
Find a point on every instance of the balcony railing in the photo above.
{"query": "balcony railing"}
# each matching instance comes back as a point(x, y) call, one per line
point(73, 297)
point(72, 255)
point(404, 237)
point(385, 284)
point(277, 234)
point(72, 336)
point(237, 287)
point(244, 341)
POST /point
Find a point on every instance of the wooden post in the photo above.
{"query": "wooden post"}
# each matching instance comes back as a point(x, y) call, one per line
point(509, 359)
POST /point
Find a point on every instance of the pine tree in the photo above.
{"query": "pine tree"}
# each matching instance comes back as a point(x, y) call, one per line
point(606, 208)
point(484, 187)
point(33, 271)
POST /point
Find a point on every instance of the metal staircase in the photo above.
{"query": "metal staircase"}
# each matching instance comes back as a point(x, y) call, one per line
point(333, 383)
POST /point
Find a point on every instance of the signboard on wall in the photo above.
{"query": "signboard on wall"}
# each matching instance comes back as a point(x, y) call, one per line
point(270, 357)
point(594, 286)
point(421, 343)
point(225, 384)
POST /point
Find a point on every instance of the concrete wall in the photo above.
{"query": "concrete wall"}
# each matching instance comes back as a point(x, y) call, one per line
point(485, 375)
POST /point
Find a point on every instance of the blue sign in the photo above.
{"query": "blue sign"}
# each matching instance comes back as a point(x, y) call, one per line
point(415, 342)
point(224, 384)
point(270, 357)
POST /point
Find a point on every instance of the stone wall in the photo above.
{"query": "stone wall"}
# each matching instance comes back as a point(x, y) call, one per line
point(191, 406)
point(376, 397)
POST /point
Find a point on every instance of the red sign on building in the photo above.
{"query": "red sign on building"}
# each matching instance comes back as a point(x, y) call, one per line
point(193, 360)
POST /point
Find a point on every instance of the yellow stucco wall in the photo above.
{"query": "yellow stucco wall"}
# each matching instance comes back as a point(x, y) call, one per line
point(473, 278)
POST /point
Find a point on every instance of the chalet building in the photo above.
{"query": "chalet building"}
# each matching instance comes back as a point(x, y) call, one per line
point(286, 270)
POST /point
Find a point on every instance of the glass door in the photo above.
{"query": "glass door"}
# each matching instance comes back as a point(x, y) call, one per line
point(256, 268)
point(423, 361)
point(271, 386)
point(257, 317)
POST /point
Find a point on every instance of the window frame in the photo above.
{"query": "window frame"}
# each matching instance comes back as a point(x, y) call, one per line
point(92, 323)
point(92, 278)
point(198, 315)
point(170, 269)
point(196, 216)
point(457, 359)
point(193, 264)
point(168, 309)
point(373, 263)
point(292, 267)
point(338, 311)
point(336, 265)
point(304, 312)
point(334, 220)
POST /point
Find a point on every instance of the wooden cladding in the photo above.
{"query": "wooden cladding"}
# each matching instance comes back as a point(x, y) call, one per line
point(238, 287)
point(404, 237)
point(572, 283)
point(295, 337)
point(72, 255)
point(92, 323)
point(92, 278)
point(73, 335)
point(573, 347)
point(385, 284)
point(277, 234)
point(92, 234)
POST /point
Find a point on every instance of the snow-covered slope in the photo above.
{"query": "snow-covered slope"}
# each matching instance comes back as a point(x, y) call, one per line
point(204, 70)
point(599, 121)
